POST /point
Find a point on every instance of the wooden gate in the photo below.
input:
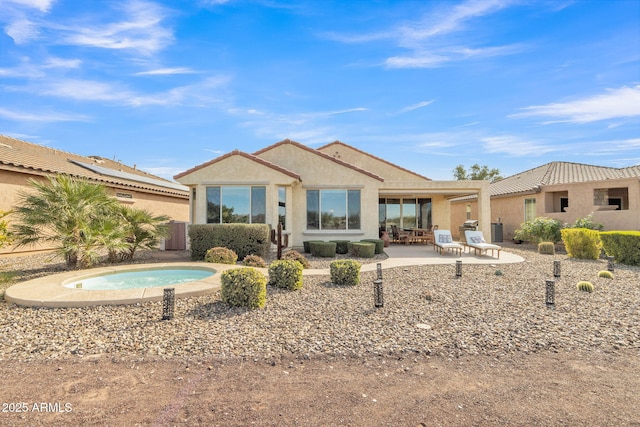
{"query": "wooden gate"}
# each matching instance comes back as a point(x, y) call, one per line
point(177, 240)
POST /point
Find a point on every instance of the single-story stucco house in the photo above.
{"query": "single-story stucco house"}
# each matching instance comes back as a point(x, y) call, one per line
point(565, 191)
point(335, 192)
point(21, 161)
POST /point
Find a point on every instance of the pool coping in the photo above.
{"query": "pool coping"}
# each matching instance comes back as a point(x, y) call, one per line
point(49, 291)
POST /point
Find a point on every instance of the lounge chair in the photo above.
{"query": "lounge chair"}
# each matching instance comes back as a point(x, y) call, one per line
point(475, 240)
point(442, 240)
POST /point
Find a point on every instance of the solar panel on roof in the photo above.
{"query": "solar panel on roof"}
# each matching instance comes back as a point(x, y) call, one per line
point(130, 176)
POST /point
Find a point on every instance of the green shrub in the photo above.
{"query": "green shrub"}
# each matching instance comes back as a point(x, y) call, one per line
point(286, 274)
point(582, 243)
point(585, 286)
point(363, 249)
point(605, 274)
point(587, 222)
point(342, 246)
point(297, 256)
point(345, 272)
point(379, 244)
point(546, 248)
point(539, 230)
point(624, 246)
point(323, 249)
point(243, 287)
point(307, 245)
point(254, 261)
point(221, 255)
point(243, 239)
point(499, 273)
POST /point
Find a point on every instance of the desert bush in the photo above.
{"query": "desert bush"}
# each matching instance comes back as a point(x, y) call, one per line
point(243, 239)
point(585, 286)
point(605, 274)
point(546, 248)
point(345, 272)
point(323, 249)
point(307, 245)
point(286, 274)
point(342, 246)
point(582, 243)
point(221, 255)
point(243, 287)
point(362, 249)
point(254, 261)
point(379, 244)
point(539, 230)
point(587, 222)
point(624, 246)
point(297, 256)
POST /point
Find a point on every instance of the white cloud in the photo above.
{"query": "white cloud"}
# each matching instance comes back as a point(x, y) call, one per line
point(41, 116)
point(42, 5)
point(615, 103)
point(140, 29)
point(416, 106)
point(22, 30)
point(516, 146)
point(166, 71)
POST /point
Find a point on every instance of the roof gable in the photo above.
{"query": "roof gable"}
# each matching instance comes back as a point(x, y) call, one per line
point(320, 154)
point(242, 154)
point(338, 148)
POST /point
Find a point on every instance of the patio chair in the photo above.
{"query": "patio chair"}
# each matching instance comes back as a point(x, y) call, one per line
point(442, 240)
point(475, 240)
point(399, 236)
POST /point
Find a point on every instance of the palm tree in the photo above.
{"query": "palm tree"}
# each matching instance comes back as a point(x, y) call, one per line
point(141, 229)
point(68, 213)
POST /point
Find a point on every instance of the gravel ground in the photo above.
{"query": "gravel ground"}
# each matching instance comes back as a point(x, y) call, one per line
point(427, 311)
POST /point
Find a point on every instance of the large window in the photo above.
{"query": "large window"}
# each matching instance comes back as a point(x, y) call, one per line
point(236, 204)
point(282, 207)
point(529, 210)
point(333, 209)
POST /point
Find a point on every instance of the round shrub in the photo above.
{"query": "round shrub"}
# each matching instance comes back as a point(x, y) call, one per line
point(379, 244)
point(605, 274)
point(243, 287)
point(342, 246)
point(363, 249)
point(221, 255)
point(546, 248)
point(297, 256)
point(345, 272)
point(582, 243)
point(286, 274)
point(585, 286)
point(254, 261)
point(307, 245)
point(323, 249)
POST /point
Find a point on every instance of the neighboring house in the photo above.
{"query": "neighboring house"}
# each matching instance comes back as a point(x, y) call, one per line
point(335, 192)
point(21, 161)
point(565, 191)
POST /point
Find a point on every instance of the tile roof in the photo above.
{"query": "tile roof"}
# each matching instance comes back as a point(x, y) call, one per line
point(26, 157)
point(245, 155)
point(559, 173)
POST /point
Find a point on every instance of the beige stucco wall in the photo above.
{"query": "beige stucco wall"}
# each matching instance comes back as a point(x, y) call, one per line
point(12, 183)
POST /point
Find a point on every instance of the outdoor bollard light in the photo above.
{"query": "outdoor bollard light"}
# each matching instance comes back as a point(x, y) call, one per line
point(458, 268)
point(379, 268)
point(551, 293)
point(610, 261)
point(556, 268)
point(377, 293)
point(168, 303)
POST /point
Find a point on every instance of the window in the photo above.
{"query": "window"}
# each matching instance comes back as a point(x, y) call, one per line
point(529, 210)
point(282, 207)
point(404, 213)
point(556, 201)
point(236, 204)
point(611, 198)
point(333, 209)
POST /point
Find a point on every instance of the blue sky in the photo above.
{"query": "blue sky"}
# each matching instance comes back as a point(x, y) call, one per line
point(428, 85)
